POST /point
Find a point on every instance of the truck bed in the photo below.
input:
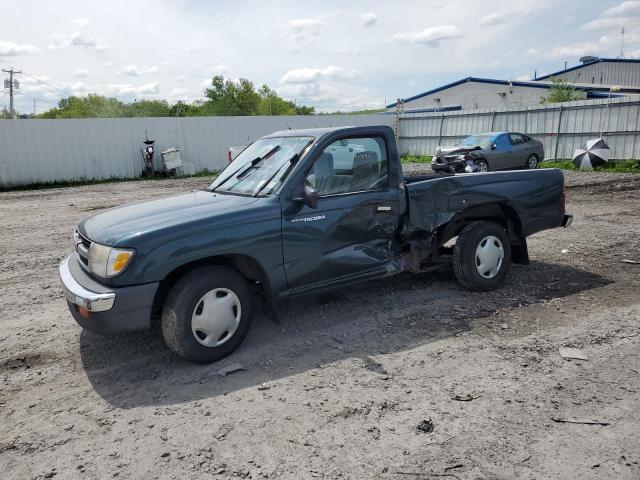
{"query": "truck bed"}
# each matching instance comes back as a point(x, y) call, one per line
point(535, 197)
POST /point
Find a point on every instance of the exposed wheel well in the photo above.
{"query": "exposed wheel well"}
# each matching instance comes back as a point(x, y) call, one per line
point(499, 213)
point(245, 265)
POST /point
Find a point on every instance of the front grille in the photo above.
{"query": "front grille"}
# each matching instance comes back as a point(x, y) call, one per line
point(83, 245)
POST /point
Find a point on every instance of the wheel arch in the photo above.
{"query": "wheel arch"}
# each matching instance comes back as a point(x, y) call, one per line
point(501, 213)
point(248, 267)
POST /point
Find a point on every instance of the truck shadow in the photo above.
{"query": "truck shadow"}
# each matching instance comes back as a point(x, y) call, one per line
point(397, 313)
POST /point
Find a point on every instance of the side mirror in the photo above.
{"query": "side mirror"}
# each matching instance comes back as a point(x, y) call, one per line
point(493, 146)
point(311, 196)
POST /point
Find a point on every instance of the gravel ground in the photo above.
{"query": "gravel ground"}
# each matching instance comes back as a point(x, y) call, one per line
point(410, 377)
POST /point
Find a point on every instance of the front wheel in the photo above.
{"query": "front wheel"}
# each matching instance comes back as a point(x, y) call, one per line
point(483, 166)
point(481, 256)
point(207, 314)
point(532, 162)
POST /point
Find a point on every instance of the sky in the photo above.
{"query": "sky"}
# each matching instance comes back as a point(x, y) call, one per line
point(334, 55)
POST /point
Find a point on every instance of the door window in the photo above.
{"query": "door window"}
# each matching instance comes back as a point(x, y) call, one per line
point(351, 165)
point(516, 138)
point(502, 143)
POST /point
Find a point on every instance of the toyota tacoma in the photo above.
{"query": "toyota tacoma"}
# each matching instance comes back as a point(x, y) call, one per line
point(286, 218)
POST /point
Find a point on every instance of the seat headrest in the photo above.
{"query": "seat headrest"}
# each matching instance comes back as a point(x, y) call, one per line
point(324, 165)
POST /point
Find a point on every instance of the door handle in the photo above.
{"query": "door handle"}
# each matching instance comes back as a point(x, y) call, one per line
point(384, 208)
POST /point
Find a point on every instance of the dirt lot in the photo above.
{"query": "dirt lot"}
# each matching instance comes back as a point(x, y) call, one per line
point(408, 378)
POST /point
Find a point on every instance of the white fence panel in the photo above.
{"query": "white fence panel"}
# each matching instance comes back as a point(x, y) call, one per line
point(561, 128)
point(33, 151)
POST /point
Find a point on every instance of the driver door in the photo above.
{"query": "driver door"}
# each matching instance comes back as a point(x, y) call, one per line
point(500, 157)
point(348, 236)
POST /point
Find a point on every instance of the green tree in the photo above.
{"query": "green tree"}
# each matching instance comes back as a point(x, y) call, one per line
point(226, 97)
point(272, 104)
point(91, 106)
point(223, 97)
point(5, 114)
point(304, 110)
point(148, 108)
point(561, 91)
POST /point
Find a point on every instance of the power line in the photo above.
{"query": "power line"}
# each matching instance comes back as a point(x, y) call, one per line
point(57, 89)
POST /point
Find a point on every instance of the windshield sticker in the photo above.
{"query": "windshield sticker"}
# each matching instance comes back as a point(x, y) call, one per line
point(308, 219)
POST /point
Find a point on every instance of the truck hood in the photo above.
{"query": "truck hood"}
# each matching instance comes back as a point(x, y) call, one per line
point(111, 225)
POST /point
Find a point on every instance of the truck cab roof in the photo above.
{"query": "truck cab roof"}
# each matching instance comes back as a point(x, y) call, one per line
point(321, 132)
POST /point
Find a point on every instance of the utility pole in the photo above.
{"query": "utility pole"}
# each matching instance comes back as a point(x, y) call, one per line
point(11, 85)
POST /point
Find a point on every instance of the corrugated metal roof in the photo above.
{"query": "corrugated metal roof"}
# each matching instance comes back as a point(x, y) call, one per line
point(586, 64)
point(532, 84)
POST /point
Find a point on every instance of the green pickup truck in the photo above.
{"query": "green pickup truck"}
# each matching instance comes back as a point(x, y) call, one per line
point(297, 212)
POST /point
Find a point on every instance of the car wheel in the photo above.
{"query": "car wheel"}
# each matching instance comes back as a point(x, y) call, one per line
point(532, 162)
point(481, 256)
point(207, 314)
point(483, 166)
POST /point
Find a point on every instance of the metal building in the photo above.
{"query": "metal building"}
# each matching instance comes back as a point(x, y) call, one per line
point(601, 71)
point(594, 76)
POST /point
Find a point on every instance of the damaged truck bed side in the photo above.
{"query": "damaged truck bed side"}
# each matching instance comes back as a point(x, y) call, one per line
point(298, 212)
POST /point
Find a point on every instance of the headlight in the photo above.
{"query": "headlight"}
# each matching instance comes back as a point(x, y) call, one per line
point(108, 261)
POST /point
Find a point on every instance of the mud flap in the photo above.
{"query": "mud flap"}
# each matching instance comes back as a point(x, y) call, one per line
point(520, 251)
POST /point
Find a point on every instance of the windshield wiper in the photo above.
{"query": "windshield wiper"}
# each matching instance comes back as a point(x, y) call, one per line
point(253, 163)
point(292, 161)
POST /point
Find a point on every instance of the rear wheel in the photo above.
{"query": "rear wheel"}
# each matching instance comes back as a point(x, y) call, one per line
point(532, 162)
point(482, 164)
point(481, 256)
point(207, 314)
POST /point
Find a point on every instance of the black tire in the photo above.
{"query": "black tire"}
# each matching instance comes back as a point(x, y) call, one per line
point(483, 165)
point(464, 256)
point(181, 304)
point(532, 162)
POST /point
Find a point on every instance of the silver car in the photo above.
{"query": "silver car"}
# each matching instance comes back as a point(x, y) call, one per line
point(490, 151)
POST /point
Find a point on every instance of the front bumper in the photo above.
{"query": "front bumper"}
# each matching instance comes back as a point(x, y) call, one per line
point(452, 166)
point(104, 309)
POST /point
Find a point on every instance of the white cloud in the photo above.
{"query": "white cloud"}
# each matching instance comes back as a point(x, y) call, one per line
point(581, 49)
point(77, 39)
point(305, 28)
point(135, 71)
point(605, 24)
point(219, 70)
point(80, 22)
point(532, 52)
point(625, 9)
point(369, 19)
point(431, 37)
point(491, 19)
point(179, 94)
point(127, 89)
point(625, 14)
point(11, 49)
point(109, 63)
point(181, 78)
point(308, 75)
point(81, 73)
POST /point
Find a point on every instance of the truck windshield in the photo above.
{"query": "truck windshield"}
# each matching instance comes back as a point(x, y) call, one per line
point(482, 141)
point(261, 166)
